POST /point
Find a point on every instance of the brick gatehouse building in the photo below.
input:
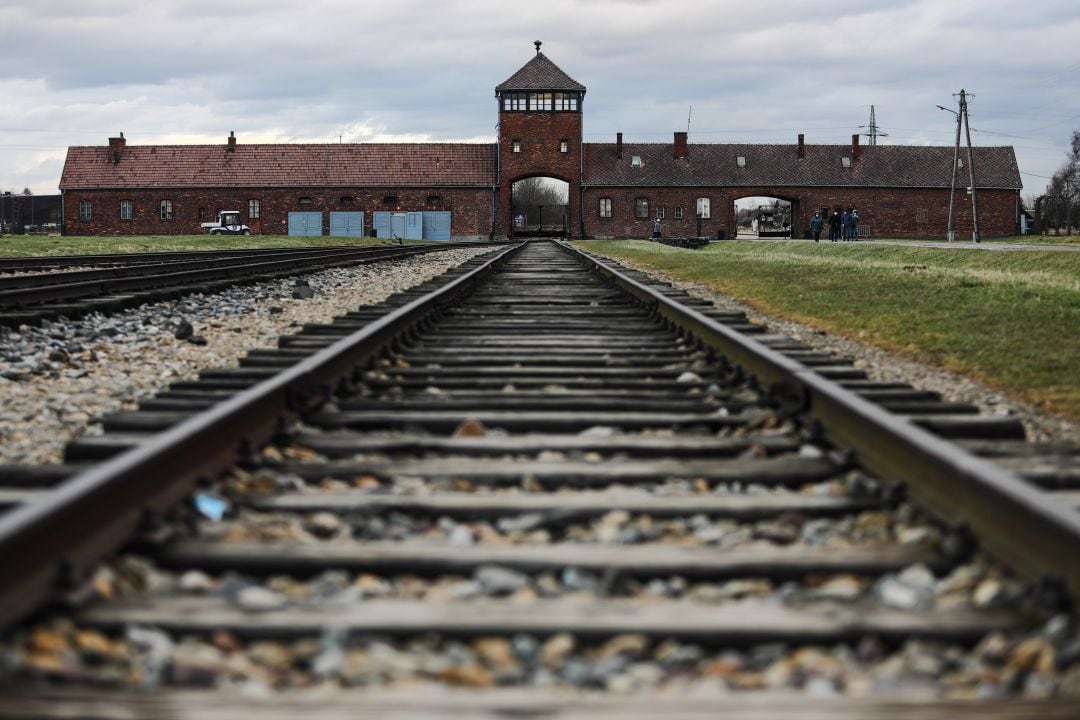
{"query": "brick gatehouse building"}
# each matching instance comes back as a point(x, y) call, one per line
point(440, 190)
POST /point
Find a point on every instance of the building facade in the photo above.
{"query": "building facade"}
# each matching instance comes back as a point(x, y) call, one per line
point(465, 190)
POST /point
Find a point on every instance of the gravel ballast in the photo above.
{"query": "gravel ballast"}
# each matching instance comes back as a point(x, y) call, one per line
point(55, 379)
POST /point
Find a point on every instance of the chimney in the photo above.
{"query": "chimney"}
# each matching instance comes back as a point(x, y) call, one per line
point(618, 145)
point(681, 149)
point(802, 145)
point(116, 144)
point(855, 146)
point(232, 142)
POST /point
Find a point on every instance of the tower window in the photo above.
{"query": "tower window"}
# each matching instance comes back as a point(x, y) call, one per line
point(566, 101)
point(515, 146)
point(564, 146)
point(514, 101)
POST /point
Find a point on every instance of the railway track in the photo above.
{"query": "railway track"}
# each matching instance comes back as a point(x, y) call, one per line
point(133, 279)
point(543, 486)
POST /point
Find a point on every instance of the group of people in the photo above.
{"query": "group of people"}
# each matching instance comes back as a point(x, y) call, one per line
point(841, 227)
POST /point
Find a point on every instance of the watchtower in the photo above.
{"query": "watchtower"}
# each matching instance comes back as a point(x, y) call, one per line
point(540, 134)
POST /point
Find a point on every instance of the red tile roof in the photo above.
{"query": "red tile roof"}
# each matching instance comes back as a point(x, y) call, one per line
point(540, 74)
point(779, 166)
point(325, 165)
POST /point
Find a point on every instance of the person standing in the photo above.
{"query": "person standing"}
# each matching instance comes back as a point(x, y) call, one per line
point(854, 225)
point(656, 229)
point(834, 225)
point(845, 224)
point(816, 224)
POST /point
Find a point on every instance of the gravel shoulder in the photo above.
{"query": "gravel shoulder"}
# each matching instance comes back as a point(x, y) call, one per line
point(55, 379)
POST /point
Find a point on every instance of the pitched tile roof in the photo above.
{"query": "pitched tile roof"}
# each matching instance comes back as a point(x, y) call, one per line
point(324, 165)
point(540, 74)
point(779, 165)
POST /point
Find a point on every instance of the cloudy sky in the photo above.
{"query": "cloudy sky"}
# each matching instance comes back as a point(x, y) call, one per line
point(74, 72)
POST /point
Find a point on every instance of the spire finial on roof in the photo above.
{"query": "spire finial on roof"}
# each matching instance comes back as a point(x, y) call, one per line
point(537, 43)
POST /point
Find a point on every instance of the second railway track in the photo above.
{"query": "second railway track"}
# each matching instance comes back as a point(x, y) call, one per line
point(545, 476)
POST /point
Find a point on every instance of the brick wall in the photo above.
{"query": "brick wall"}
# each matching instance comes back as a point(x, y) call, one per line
point(887, 212)
point(539, 134)
point(470, 208)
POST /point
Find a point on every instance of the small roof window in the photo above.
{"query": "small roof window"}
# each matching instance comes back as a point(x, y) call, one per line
point(740, 161)
point(635, 161)
point(845, 162)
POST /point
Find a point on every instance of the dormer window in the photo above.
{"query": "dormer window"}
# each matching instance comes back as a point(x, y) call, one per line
point(845, 162)
point(740, 161)
point(635, 161)
point(959, 162)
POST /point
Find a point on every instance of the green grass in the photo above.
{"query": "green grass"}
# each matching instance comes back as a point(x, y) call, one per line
point(69, 245)
point(1010, 319)
point(1004, 240)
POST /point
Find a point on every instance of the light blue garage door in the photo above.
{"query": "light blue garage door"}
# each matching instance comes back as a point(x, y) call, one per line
point(380, 223)
point(414, 226)
point(347, 224)
point(436, 225)
point(305, 223)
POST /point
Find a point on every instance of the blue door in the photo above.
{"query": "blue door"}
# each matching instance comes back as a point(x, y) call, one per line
point(414, 226)
point(305, 223)
point(397, 225)
point(347, 224)
point(436, 225)
point(380, 223)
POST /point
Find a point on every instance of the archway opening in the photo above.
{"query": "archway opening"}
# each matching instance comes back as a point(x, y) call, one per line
point(763, 216)
point(539, 207)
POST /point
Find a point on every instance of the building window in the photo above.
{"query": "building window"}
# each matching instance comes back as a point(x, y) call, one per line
point(166, 210)
point(703, 207)
point(202, 214)
point(678, 212)
point(305, 200)
point(127, 209)
point(845, 162)
point(564, 146)
point(605, 207)
point(515, 146)
point(635, 161)
point(540, 101)
point(641, 208)
point(566, 101)
point(514, 101)
point(740, 161)
point(345, 200)
point(86, 209)
point(254, 209)
point(390, 200)
point(433, 200)
point(661, 212)
point(922, 215)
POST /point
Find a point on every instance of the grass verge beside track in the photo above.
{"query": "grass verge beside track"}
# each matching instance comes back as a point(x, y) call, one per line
point(1009, 319)
point(14, 245)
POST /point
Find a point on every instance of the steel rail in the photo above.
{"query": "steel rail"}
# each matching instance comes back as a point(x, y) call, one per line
point(1023, 526)
point(51, 544)
point(38, 262)
point(60, 287)
point(12, 282)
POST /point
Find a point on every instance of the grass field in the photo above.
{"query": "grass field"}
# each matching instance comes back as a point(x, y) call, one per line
point(68, 245)
point(1010, 319)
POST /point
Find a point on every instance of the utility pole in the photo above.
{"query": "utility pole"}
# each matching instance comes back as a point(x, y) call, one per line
point(971, 169)
point(951, 233)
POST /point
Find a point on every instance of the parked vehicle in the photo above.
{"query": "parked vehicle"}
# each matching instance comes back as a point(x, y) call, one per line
point(227, 223)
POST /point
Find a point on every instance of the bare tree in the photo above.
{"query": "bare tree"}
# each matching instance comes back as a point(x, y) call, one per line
point(1062, 200)
point(533, 195)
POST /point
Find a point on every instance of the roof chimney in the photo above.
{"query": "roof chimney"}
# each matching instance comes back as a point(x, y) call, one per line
point(115, 145)
point(681, 148)
point(855, 146)
point(802, 145)
point(618, 145)
point(232, 142)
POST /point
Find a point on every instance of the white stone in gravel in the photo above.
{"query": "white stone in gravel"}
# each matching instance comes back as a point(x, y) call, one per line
point(259, 599)
point(195, 581)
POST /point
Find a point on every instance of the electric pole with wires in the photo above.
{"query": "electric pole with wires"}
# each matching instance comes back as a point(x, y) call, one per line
point(873, 131)
point(962, 118)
